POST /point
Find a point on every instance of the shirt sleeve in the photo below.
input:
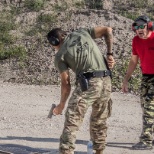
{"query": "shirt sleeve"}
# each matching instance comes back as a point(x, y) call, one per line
point(91, 32)
point(60, 65)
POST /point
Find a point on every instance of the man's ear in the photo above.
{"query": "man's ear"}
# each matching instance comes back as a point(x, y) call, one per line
point(62, 37)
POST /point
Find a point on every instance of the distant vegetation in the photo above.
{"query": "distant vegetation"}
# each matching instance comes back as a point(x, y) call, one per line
point(34, 5)
point(9, 48)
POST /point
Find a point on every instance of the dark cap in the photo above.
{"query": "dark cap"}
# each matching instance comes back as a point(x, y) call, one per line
point(139, 22)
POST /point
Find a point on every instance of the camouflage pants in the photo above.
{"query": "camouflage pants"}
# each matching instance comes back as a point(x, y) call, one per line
point(97, 96)
point(147, 103)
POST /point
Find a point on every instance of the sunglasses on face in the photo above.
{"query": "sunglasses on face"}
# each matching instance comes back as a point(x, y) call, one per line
point(139, 27)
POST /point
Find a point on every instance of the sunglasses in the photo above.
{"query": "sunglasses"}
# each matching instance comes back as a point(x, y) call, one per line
point(139, 27)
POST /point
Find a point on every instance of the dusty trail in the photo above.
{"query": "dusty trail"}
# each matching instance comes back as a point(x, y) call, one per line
point(25, 129)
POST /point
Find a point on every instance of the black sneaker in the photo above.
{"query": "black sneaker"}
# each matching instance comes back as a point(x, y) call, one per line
point(141, 146)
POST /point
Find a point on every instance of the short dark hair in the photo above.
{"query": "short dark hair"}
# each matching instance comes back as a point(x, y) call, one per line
point(55, 32)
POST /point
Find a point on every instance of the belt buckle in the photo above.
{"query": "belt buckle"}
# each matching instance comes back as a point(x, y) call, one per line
point(105, 73)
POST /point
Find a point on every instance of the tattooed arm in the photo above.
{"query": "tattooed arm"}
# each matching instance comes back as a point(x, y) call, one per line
point(109, 39)
point(106, 32)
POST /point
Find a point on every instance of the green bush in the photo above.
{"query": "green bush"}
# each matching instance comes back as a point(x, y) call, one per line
point(129, 15)
point(34, 5)
point(46, 18)
point(61, 7)
point(6, 39)
point(33, 31)
point(79, 4)
point(6, 24)
point(14, 51)
point(94, 4)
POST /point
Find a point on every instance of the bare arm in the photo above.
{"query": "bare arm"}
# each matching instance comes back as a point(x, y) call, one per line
point(131, 67)
point(65, 92)
point(105, 32)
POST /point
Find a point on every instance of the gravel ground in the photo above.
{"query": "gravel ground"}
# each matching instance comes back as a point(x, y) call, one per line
point(25, 128)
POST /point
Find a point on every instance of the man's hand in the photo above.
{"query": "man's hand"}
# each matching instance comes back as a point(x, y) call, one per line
point(125, 87)
point(110, 61)
point(58, 109)
point(131, 67)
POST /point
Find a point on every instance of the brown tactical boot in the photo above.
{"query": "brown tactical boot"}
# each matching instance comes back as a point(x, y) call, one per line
point(99, 152)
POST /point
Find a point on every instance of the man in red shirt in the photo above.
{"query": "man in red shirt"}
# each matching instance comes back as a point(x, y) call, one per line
point(143, 50)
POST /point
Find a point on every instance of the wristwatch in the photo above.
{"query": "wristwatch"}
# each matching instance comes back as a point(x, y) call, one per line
point(110, 53)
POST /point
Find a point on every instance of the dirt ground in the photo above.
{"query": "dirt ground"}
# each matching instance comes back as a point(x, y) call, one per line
point(25, 128)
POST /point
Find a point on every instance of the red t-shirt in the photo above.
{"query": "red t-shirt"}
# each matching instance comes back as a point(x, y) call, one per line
point(144, 48)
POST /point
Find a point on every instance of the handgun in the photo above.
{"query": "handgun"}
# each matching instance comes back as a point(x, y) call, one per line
point(51, 111)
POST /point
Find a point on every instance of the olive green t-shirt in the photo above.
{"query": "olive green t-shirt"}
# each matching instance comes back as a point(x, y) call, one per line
point(80, 53)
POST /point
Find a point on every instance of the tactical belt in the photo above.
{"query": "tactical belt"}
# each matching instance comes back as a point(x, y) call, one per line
point(97, 74)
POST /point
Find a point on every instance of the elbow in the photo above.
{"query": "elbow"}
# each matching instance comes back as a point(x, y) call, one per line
point(109, 30)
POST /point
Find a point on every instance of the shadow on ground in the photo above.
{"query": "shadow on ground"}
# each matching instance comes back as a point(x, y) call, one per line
point(39, 139)
point(19, 149)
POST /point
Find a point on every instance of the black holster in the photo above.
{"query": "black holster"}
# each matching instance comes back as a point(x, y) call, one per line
point(83, 81)
point(107, 66)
